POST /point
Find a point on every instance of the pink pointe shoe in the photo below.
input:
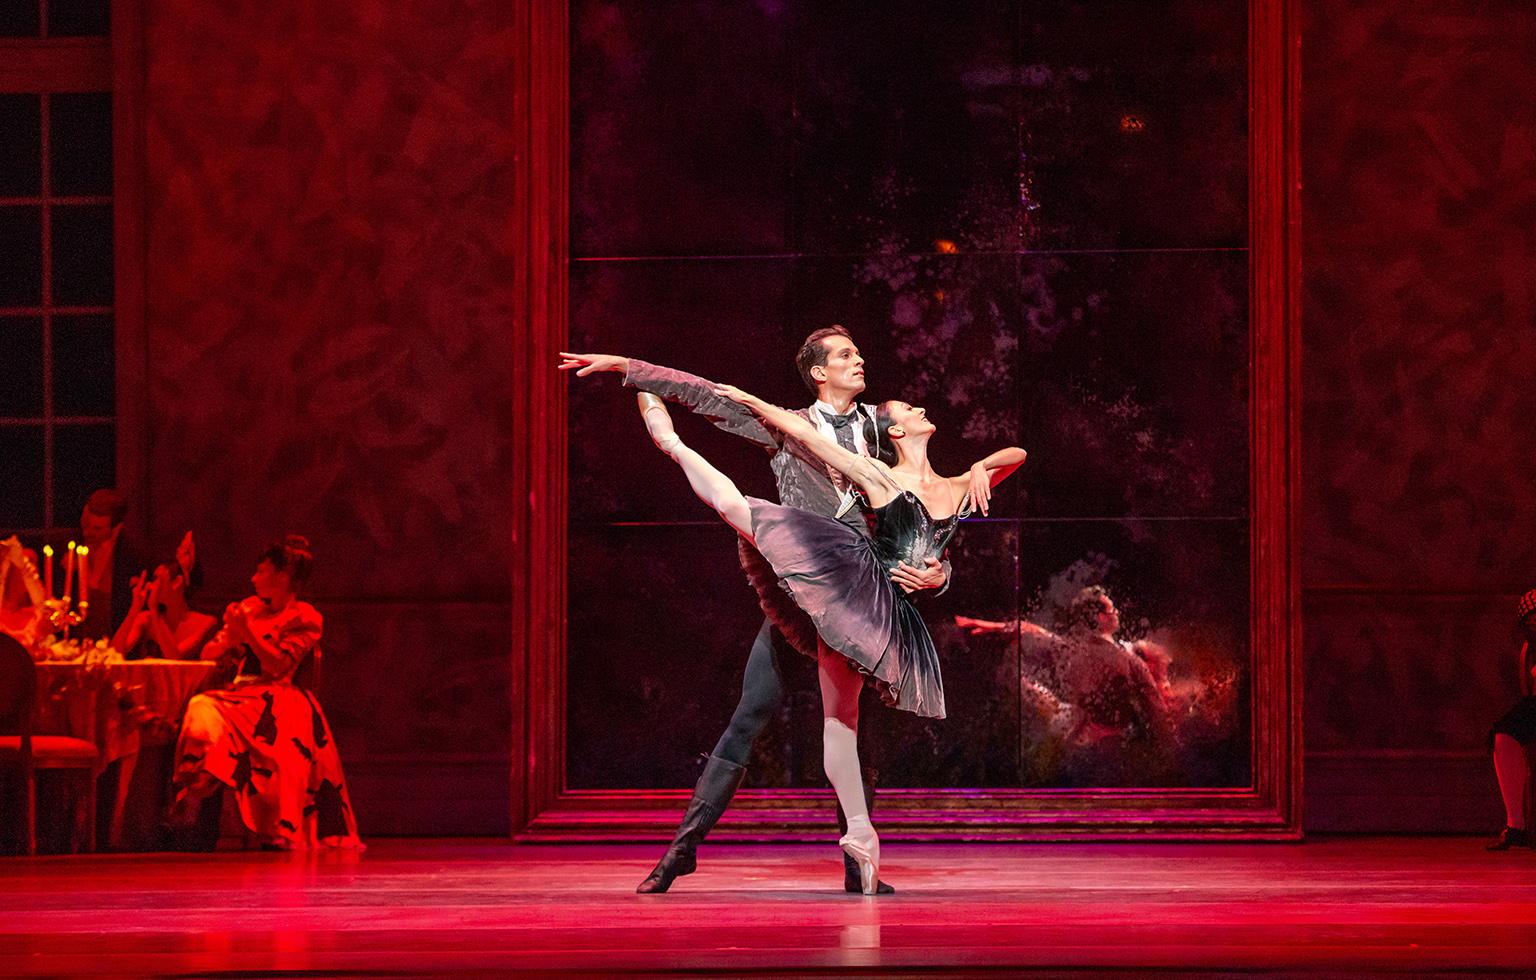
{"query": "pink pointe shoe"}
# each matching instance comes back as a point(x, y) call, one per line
point(866, 852)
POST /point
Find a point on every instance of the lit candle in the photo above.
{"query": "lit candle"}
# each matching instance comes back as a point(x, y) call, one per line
point(85, 575)
point(48, 569)
point(69, 572)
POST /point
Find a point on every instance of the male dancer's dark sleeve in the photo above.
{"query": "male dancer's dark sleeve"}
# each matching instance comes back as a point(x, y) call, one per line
point(698, 394)
point(802, 479)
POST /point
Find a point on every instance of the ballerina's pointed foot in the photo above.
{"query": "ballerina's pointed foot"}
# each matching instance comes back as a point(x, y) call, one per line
point(865, 851)
point(853, 886)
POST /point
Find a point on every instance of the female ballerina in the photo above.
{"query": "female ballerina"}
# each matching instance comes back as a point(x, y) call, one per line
point(866, 626)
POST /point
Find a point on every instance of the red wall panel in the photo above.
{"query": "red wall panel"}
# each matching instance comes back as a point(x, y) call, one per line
point(329, 288)
point(1419, 159)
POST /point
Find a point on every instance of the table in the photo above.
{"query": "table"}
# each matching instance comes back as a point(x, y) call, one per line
point(119, 706)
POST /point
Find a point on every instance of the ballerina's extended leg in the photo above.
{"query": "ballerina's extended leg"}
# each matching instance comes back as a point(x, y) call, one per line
point(711, 486)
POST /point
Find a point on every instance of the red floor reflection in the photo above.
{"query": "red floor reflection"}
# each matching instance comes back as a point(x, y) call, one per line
point(1343, 906)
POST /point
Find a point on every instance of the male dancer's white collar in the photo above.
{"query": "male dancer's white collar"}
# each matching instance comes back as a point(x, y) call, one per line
point(826, 429)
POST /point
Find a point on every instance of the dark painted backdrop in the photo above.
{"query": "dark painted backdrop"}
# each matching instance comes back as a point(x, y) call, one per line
point(327, 190)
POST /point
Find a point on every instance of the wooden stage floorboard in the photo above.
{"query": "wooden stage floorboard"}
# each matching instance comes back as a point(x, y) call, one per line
point(1338, 907)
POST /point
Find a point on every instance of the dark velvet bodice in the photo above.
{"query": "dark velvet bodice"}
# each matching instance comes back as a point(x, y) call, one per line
point(904, 532)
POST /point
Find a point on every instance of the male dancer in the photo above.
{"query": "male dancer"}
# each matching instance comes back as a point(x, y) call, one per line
point(830, 365)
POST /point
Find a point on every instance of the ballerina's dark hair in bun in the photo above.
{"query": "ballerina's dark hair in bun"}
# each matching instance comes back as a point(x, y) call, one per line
point(291, 555)
point(877, 435)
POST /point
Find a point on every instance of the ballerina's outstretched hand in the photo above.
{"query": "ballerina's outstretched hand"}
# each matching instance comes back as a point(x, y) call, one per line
point(585, 364)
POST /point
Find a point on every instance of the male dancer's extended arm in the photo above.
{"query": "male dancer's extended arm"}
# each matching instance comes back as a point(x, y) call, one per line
point(690, 390)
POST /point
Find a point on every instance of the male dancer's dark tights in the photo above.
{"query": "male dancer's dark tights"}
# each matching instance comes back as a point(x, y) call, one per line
point(762, 691)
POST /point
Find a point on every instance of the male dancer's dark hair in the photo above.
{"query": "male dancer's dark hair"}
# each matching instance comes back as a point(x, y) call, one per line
point(813, 353)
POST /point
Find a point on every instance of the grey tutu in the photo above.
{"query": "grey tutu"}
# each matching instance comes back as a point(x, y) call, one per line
point(839, 577)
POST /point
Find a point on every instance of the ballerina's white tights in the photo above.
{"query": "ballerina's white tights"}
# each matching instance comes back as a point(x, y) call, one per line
point(840, 688)
point(709, 484)
point(840, 683)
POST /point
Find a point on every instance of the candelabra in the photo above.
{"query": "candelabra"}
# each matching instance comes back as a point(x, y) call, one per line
point(58, 614)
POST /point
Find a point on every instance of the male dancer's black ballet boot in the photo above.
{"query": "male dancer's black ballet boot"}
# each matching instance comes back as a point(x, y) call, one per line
point(1511, 837)
point(851, 881)
point(717, 784)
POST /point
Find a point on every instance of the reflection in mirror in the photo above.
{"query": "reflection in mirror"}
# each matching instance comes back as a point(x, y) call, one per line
point(1111, 699)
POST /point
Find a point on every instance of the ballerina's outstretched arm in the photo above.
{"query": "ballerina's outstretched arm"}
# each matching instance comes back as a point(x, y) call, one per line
point(986, 474)
point(867, 474)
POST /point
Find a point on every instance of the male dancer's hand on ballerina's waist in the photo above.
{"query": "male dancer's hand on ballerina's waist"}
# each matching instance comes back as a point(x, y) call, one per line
point(585, 364)
point(914, 579)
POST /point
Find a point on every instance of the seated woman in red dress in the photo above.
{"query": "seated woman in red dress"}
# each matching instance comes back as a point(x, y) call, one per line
point(264, 737)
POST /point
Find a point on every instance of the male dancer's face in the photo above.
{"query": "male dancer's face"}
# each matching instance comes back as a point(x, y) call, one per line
point(844, 368)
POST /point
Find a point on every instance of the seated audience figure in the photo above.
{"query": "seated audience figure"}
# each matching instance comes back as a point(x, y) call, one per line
point(263, 737)
point(160, 623)
point(109, 566)
point(1513, 734)
point(21, 593)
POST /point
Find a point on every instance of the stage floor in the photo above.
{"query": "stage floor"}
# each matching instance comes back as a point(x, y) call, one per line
point(1342, 906)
